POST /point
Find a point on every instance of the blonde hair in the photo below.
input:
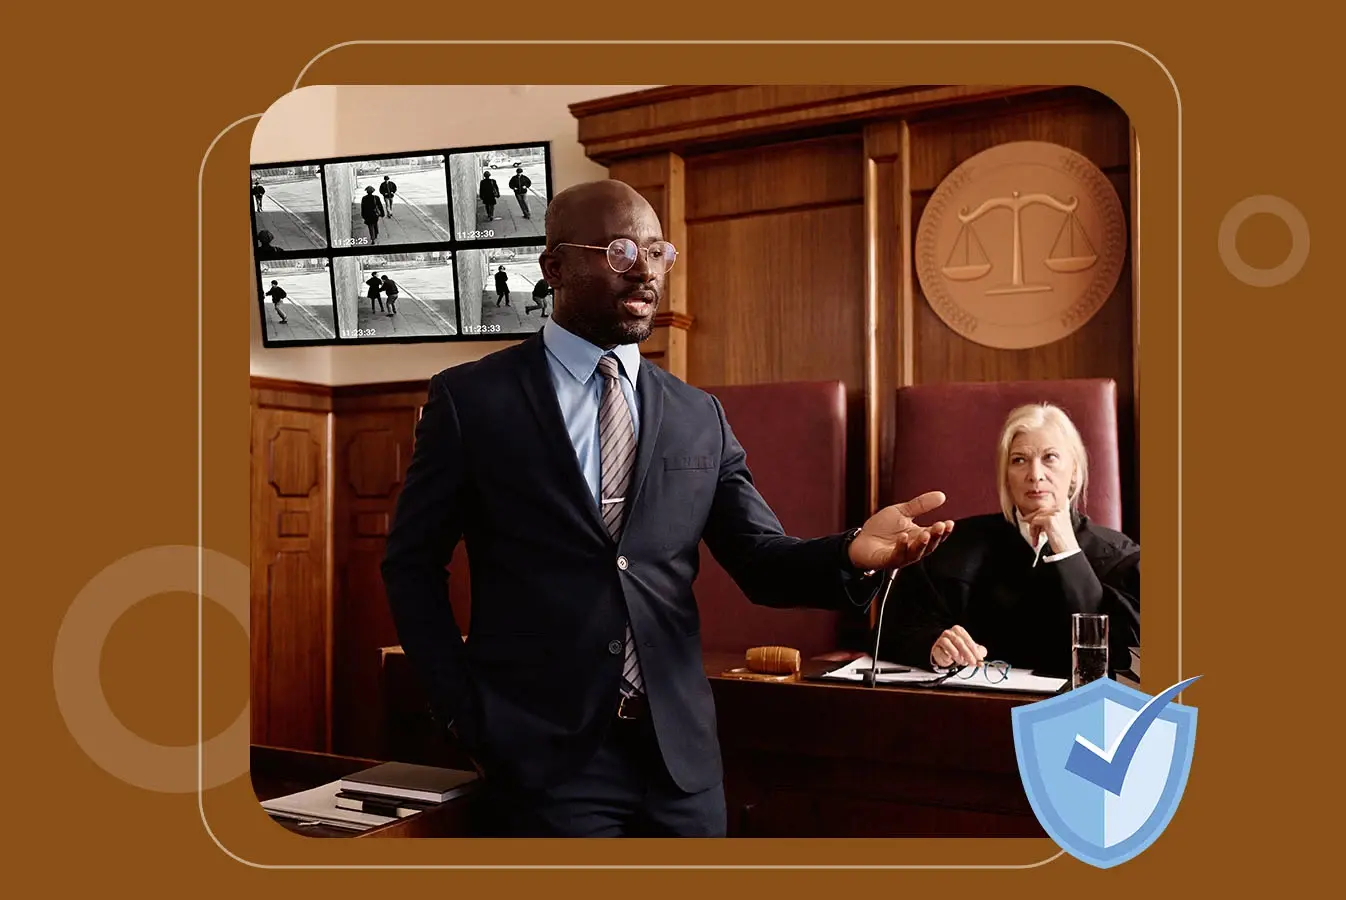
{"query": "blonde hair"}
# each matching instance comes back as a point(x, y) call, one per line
point(1028, 418)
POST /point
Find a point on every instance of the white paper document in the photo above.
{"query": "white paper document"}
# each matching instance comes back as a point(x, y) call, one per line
point(1018, 679)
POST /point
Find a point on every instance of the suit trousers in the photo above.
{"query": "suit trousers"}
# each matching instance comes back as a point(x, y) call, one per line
point(623, 791)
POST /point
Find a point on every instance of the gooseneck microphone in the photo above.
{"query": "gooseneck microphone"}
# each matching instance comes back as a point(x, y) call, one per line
point(871, 677)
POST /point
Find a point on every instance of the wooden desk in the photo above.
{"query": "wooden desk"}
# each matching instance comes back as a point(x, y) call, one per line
point(277, 772)
point(804, 759)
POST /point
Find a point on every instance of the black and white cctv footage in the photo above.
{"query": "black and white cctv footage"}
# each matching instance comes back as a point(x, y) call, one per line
point(388, 202)
point(511, 297)
point(296, 299)
point(287, 210)
point(396, 295)
point(499, 193)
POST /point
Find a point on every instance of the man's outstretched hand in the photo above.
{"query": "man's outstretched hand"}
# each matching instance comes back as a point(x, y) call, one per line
point(891, 539)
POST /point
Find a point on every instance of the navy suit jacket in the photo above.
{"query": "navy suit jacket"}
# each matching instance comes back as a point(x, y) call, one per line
point(535, 686)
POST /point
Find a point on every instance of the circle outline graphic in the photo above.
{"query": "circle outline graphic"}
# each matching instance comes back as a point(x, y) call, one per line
point(98, 606)
point(1282, 209)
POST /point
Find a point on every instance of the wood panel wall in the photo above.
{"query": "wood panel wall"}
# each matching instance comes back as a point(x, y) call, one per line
point(320, 614)
point(291, 624)
point(800, 206)
point(373, 435)
point(776, 264)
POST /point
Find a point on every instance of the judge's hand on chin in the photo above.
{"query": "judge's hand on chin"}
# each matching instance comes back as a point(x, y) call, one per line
point(1053, 521)
point(891, 539)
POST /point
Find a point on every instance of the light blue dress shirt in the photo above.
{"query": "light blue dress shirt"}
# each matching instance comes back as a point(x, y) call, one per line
point(573, 362)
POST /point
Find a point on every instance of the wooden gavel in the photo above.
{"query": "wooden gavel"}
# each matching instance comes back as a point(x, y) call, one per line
point(773, 660)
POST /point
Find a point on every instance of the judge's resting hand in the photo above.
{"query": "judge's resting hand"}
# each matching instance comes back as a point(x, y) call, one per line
point(891, 539)
point(955, 647)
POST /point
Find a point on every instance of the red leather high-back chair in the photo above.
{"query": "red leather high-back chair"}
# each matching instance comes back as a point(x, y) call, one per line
point(794, 434)
point(946, 437)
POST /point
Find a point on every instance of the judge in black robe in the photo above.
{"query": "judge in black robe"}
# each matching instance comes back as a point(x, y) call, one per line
point(1005, 585)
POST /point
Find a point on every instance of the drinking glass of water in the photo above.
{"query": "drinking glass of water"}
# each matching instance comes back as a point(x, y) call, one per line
point(1089, 648)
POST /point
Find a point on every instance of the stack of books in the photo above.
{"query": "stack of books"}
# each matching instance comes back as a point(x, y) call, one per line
point(401, 789)
point(373, 797)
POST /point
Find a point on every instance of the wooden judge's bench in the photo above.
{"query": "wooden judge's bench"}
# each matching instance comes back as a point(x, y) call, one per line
point(805, 759)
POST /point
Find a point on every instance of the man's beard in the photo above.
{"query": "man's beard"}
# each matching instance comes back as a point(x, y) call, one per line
point(605, 330)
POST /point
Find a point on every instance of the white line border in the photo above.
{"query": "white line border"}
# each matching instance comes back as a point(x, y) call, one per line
point(200, 759)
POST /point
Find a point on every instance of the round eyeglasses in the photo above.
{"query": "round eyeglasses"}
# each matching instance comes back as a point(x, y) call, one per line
point(995, 671)
point(623, 253)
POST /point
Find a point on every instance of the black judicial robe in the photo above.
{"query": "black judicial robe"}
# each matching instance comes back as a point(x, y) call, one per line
point(983, 578)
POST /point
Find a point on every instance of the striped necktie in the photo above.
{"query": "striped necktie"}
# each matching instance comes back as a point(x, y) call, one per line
point(617, 452)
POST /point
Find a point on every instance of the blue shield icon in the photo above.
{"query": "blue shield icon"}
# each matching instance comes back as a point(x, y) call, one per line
point(1104, 766)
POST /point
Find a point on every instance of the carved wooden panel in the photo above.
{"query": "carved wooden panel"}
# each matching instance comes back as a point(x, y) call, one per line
point(293, 524)
point(374, 433)
point(374, 462)
point(296, 651)
point(289, 629)
point(292, 461)
point(372, 524)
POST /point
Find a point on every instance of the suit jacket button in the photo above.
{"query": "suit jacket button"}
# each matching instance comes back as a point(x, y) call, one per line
point(614, 647)
point(622, 563)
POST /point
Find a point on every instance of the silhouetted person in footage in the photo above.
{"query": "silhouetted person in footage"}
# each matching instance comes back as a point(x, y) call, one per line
point(375, 285)
point(265, 248)
point(520, 184)
point(277, 294)
point(388, 189)
point(371, 210)
point(541, 291)
point(489, 192)
point(501, 287)
point(390, 288)
point(257, 193)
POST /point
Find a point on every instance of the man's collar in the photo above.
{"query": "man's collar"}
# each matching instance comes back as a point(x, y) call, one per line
point(580, 357)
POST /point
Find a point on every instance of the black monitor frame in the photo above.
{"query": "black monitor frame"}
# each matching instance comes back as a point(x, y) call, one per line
point(454, 244)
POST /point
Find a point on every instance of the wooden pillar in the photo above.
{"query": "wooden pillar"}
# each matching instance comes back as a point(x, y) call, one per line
point(660, 179)
point(889, 296)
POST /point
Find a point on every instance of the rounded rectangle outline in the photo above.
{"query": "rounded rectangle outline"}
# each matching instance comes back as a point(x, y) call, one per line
point(200, 761)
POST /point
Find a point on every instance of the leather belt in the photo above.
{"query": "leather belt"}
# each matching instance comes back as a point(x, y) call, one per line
point(633, 708)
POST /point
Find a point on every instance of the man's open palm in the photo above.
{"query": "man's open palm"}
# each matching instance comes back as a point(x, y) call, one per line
point(891, 538)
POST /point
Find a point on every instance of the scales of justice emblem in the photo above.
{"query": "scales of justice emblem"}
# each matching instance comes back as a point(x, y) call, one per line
point(1028, 218)
point(1062, 257)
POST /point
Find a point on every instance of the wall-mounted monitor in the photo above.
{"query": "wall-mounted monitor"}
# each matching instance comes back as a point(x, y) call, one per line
point(433, 245)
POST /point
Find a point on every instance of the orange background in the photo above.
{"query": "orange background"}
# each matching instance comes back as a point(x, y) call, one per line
point(101, 363)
